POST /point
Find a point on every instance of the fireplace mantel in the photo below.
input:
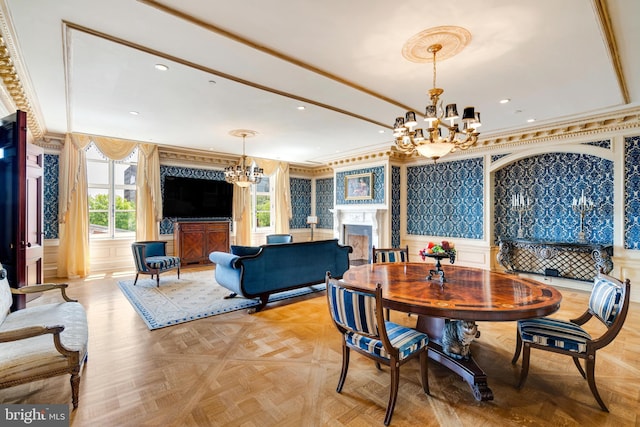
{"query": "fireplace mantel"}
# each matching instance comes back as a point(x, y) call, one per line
point(358, 215)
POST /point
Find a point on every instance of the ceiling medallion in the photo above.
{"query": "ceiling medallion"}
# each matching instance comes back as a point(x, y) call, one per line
point(452, 39)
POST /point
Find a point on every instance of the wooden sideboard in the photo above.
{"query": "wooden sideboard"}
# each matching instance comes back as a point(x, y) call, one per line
point(579, 261)
point(195, 240)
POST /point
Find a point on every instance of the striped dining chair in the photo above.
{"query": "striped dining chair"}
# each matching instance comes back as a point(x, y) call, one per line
point(383, 255)
point(357, 313)
point(609, 303)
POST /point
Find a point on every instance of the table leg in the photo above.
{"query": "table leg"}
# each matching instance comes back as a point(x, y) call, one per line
point(467, 369)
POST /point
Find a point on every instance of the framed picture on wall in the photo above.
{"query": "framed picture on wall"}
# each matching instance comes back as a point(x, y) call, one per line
point(358, 186)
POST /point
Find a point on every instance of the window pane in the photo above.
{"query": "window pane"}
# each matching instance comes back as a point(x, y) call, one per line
point(263, 186)
point(125, 199)
point(125, 221)
point(98, 173)
point(124, 173)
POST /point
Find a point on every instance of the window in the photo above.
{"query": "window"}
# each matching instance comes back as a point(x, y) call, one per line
point(262, 204)
point(112, 195)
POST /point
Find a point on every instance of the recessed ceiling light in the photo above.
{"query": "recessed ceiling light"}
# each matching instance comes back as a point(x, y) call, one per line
point(531, 120)
point(301, 107)
point(381, 131)
point(212, 82)
point(133, 113)
point(161, 67)
point(505, 101)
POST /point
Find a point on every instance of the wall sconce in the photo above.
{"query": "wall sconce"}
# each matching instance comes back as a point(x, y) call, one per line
point(312, 221)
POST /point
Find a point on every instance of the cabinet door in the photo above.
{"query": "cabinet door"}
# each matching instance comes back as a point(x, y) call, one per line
point(217, 238)
point(192, 243)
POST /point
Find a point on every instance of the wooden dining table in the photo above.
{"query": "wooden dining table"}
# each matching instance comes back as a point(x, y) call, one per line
point(467, 294)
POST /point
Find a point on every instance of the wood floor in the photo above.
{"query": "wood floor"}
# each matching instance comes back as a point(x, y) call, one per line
point(280, 367)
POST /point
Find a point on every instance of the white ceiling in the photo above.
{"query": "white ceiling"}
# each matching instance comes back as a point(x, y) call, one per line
point(86, 64)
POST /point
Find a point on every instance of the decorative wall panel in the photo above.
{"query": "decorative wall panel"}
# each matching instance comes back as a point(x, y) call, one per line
point(446, 199)
point(300, 202)
point(551, 181)
point(632, 193)
point(51, 185)
point(324, 202)
point(378, 186)
point(395, 206)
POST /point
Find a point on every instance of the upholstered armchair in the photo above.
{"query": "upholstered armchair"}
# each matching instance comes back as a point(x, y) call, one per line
point(279, 238)
point(151, 258)
point(42, 341)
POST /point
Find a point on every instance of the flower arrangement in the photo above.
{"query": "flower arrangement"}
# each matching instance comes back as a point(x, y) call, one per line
point(444, 247)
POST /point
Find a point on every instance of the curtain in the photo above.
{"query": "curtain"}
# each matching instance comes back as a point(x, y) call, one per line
point(279, 172)
point(73, 215)
point(148, 194)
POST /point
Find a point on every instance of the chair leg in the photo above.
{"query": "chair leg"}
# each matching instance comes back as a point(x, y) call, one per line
point(424, 370)
point(591, 379)
point(378, 366)
point(158, 280)
point(393, 393)
point(75, 389)
point(518, 348)
point(526, 353)
point(136, 280)
point(579, 366)
point(345, 367)
point(178, 273)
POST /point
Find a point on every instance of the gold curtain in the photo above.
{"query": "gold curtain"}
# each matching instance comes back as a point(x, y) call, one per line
point(279, 172)
point(73, 215)
point(148, 194)
point(73, 253)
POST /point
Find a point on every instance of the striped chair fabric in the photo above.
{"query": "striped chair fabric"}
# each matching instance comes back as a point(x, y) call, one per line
point(390, 256)
point(605, 300)
point(554, 333)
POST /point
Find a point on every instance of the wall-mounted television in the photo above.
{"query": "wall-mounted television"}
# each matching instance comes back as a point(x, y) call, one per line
point(196, 198)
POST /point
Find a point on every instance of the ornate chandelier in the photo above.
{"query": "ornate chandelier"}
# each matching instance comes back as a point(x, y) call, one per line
point(241, 174)
point(431, 142)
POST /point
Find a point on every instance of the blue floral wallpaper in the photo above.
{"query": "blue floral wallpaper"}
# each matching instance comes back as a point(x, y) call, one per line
point(446, 199)
point(551, 181)
point(324, 202)
point(300, 202)
point(632, 193)
point(51, 174)
point(377, 190)
point(395, 206)
point(166, 225)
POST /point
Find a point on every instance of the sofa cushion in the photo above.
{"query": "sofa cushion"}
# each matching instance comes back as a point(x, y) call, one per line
point(244, 250)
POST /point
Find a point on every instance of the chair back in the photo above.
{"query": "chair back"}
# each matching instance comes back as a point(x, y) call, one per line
point(143, 250)
point(609, 303)
point(279, 238)
point(357, 311)
point(384, 255)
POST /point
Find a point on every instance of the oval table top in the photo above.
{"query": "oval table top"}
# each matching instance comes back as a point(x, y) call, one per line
point(468, 294)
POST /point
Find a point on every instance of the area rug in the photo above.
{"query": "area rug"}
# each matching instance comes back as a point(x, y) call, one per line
point(195, 295)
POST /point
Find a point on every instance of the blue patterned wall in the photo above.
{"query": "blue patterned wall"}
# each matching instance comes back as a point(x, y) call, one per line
point(377, 190)
point(51, 174)
point(324, 202)
point(632, 193)
point(300, 202)
point(166, 225)
point(395, 206)
point(446, 199)
point(551, 181)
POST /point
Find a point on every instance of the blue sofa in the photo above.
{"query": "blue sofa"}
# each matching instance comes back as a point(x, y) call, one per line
point(254, 272)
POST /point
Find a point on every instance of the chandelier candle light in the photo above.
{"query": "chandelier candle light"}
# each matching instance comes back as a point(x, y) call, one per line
point(582, 206)
point(431, 142)
point(241, 174)
point(520, 204)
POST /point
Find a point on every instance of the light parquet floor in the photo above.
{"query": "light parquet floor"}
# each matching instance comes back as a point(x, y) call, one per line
point(280, 367)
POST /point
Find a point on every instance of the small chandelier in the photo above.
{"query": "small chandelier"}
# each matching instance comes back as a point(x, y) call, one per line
point(241, 174)
point(430, 142)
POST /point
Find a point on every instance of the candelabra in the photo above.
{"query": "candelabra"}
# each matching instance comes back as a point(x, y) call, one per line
point(581, 206)
point(520, 204)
